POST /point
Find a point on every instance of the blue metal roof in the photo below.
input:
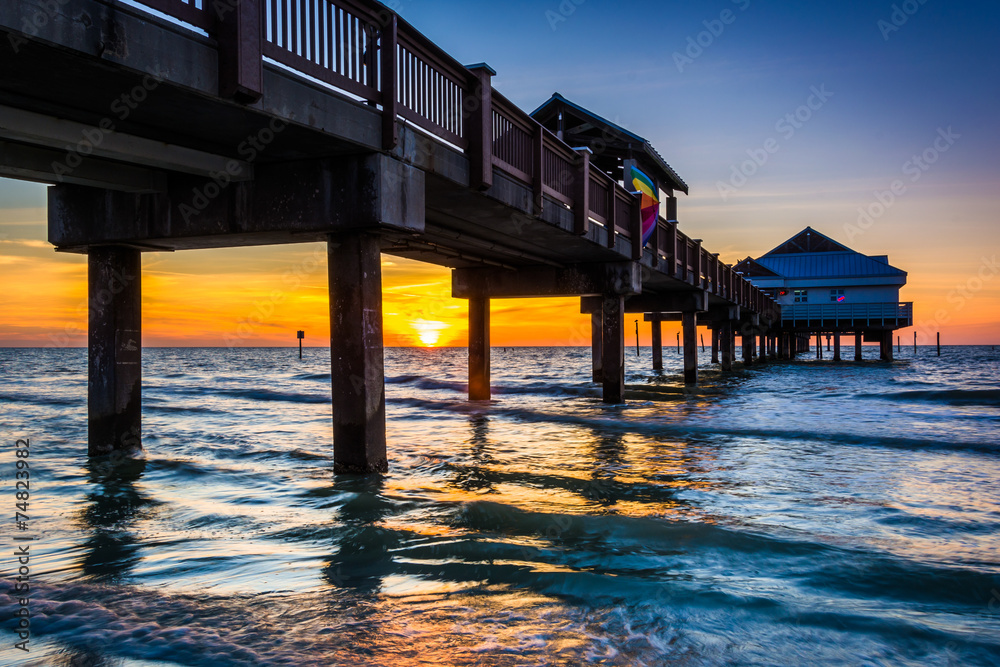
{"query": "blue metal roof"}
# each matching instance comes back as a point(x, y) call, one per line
point(827, 265)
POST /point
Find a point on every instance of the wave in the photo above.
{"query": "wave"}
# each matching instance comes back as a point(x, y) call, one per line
point(254, 394)
point(686, 430)
point(43, 399)
point(959, 397)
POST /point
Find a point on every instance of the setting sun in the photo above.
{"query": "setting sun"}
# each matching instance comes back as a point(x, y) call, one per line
point(429, 333)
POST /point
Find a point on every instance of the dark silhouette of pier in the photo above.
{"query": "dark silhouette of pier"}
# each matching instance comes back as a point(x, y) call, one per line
point(289, 121)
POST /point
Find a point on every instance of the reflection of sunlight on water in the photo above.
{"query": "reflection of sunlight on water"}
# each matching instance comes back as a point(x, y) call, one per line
point(541, 528)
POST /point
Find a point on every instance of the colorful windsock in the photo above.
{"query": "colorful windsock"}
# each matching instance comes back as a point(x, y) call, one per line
point(650, 203)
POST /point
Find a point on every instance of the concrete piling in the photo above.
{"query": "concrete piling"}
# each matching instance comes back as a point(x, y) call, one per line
point(114, 386)
point(358, 375)
point(689, 324)
point(613, 348)
point(479, 349)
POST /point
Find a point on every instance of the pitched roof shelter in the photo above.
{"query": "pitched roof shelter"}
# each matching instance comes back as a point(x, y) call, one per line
point(611, 144)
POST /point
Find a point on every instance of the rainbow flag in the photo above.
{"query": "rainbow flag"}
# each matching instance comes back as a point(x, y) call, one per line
point(650, 203)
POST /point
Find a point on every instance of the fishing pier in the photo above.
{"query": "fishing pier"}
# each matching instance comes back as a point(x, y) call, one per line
point(166, 125)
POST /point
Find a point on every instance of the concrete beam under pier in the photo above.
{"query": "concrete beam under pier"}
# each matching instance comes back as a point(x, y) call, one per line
point(114, 387)
point(619, 278)
point(295, 202)
point(666, 306)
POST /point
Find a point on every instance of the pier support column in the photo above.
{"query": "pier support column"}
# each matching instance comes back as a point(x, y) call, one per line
point(715, 344)
point(726, 345)
point(657, 326)
point(819, 345)
point(858, 340)
point(836, 346)
point(747, 342)
point(114, 386)
point(479, 349)
point(762, 355)
point(886, 346)
point(355, 270)
point(689, 323)
point(613, 348)
point(596, 348)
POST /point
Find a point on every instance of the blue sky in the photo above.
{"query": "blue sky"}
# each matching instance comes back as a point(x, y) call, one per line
point(941, 68)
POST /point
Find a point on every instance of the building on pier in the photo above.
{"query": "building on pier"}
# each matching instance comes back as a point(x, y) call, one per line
point(826, 288)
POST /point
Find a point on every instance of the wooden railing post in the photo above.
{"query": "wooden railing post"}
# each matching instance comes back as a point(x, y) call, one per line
point(479, 112)
point(538, 167)
point(612, 213)
point(635, 227)
point(240, 36)
point(390, 94)
point(697, 263)
point(581, 194)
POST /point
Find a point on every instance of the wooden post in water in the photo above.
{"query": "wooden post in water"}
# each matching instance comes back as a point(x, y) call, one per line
point(819, 345)
point(914, 343)
point(858, 343)
point(613, 348)
point(726, 345)
point(703, 343)
point(479, 349)
point(637, 339)
point(357, 361)
point(657, 326)
point(939, 343)
point(899, 344)
point(689, 324)
point(596, 346)
point(301, 335)
point(715, 344)
point(114, 387)
point(678, 343)
point(836, 346)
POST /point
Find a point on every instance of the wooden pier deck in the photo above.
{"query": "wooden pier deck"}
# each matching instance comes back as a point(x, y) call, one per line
point(287, 121)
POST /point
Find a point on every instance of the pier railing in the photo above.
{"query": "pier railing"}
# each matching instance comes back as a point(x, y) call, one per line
point(834, 314)
point(364, 49)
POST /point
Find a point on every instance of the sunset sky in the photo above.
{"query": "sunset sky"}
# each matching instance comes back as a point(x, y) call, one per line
point(708, 84)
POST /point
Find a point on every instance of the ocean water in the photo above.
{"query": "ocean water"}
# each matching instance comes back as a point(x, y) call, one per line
point(805, 513)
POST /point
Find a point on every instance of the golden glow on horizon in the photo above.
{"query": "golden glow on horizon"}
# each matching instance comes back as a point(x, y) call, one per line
point(250, 297)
